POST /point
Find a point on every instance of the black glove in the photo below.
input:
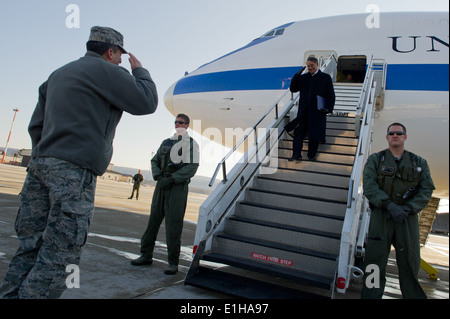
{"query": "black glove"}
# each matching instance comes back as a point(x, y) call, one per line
point(398, 213)
point(166, 182)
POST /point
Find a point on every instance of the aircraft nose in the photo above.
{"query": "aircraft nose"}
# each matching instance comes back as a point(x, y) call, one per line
point(168, 98)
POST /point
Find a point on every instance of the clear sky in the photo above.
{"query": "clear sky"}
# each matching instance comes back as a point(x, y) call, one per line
point(169, 37)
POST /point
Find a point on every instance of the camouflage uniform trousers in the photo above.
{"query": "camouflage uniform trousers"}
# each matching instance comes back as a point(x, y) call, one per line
point(57, 204)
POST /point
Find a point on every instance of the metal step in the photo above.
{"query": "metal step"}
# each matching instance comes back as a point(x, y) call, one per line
point(329, 140)
point(314, 177)
point(341, 123)
point(346, 106)
point(341, 126)
point(310, 220)
point(350, 118)
point(324, 148)
point(239, 285)
point(279, 256)
point(340, 90)
point(289, 234)
point(322, 156)
point(265, 183)
point(341, 133)
point(323, 282)
point(347, 95)
point(319, 205)
point(316, 166)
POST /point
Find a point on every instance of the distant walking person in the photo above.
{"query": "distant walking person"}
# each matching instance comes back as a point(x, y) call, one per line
point(137, 181)
point(398, 185)
point(72, 131)
point(311, 122)
point(173, 166)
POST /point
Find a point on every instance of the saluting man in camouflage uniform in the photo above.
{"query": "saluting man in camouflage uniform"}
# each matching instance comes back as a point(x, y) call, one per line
point(398, 185)
point(72, 130)
point(173, 166)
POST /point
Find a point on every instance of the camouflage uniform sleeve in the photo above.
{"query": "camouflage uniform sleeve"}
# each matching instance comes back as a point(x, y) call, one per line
point(372, 191)
point(424, 190)
point(37, 120)
point(189, 169)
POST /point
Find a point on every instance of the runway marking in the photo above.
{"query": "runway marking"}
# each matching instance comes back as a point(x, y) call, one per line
point(160, 247)
point(116, 238)
point(158, 289)
point(440, 246)
point(438, 251)
point(132, 256)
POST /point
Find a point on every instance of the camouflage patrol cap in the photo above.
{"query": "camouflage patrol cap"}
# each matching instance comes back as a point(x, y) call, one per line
point(107, 35)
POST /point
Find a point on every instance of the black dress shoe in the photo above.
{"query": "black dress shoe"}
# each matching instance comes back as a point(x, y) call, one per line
point(141, 261)
point(295, 158)
point(171, 270)
point(289, 131)
point(312, 158)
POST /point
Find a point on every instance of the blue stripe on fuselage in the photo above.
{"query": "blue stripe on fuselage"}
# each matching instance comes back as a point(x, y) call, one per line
point(414, 77)
point(417, 77)
point(238, 80)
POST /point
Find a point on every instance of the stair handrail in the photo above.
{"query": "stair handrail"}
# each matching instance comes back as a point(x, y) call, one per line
point(329, 67)
point(363, 95)
point(253, 130)
point(356, 201)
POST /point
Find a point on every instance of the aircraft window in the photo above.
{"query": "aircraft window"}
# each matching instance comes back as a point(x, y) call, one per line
point(273, 33)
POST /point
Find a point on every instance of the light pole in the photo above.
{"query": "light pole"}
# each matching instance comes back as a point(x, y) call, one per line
point(9, 136)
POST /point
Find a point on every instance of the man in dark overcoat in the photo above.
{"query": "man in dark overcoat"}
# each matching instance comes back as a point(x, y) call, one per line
point(310, 121)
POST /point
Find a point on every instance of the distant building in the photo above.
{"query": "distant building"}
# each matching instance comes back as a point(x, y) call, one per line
point(12, 157)
point(23, 157)
point(126, 178)
point(26, 156)
point(112, 175)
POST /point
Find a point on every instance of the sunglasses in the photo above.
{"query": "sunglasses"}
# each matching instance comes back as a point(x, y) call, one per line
point(180, 122)
point(399, 133)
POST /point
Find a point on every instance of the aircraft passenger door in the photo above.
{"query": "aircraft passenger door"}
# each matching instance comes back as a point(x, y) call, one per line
point(352, 68)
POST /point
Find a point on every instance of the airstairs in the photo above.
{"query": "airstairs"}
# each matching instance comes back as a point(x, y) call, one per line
point(280, 229)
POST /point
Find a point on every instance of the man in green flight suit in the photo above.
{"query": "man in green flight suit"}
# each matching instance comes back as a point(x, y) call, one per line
point(398, 185)
point(137, 181)
point(173, 166)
